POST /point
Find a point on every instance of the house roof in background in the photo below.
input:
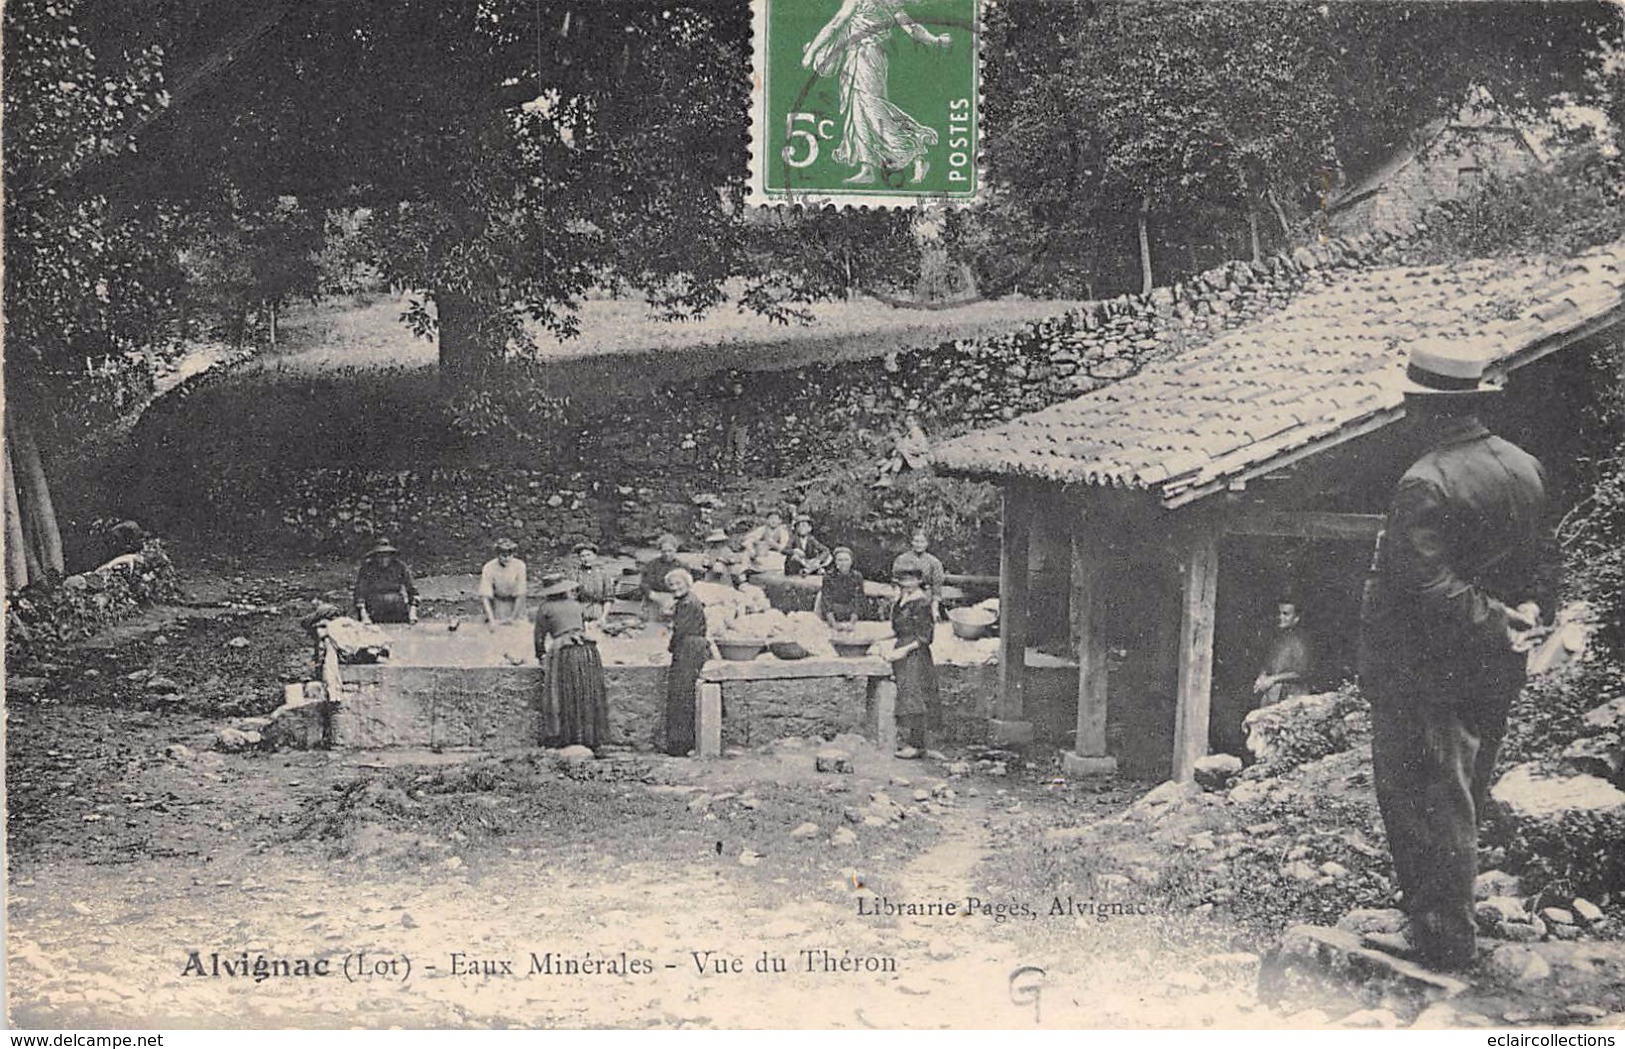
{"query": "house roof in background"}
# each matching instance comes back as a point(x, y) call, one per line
point(1480, 113)
point(1326, 368)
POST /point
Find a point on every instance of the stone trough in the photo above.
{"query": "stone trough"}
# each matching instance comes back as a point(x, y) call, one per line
point(476, 687)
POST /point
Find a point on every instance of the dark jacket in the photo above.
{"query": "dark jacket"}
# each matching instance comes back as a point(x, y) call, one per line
point(1466, 538)
point(655, 572)
point(377, 579)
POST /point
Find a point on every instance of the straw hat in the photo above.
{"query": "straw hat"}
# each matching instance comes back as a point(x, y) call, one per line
point(505, 545)
point(557, 584)
point(1441, 368)
point(717, 535)
point(382, 546)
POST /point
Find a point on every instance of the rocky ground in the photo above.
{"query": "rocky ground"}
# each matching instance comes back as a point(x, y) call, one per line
point(148, 870)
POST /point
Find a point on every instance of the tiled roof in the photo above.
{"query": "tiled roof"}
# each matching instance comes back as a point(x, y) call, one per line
point(1328, 363)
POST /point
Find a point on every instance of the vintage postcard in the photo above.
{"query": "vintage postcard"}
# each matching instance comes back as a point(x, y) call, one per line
point(833, 514)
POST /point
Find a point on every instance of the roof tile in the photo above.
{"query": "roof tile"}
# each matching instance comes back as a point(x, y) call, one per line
point(1327, 360)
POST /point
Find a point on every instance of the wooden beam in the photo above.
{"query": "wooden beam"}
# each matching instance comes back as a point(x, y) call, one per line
point(1013, 601)
point(708, 718)
point(1089, 638)
point(1304, 524)
point(1200, 593)
point(1367, 424)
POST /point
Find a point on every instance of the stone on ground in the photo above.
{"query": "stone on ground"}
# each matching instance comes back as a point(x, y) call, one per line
point(1558, 822)
point(1608, 717)
point(1314, 963)
point(1499, 909)
point(1373, 919)
point(1216, 771)
point(1600, 756)
point(232, 740)
point(805, 830)
point(1496, 883)
point(1296, 730)
point(1383, 1019)
point(843, 836)
point(575, 754)
point(833, 759)
point(1443, 1016)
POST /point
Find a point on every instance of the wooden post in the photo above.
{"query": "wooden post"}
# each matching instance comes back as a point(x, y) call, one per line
point(1200, 592)
point(1089, 641)
point(885, 714)
point(332, 677)
point(1013, 554)
point(708, 718)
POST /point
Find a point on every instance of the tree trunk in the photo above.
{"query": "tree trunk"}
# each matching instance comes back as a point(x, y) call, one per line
point(1252, 232)
point(463, 348)
point(34, 500)
point(1146, 278)
point(270, 308)
point(17, 575)
point(1280, 213)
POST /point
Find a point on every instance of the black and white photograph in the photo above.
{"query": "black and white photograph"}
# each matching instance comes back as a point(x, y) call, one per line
point(866, 515)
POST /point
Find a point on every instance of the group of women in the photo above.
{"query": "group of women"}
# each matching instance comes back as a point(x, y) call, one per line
point(575, 709)
point(913, 670)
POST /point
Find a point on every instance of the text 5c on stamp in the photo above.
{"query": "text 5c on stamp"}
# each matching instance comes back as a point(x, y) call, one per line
point(865, 102)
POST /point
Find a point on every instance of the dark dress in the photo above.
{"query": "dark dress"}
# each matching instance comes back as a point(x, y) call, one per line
point(575, 708)
point(841, 600)
point(386, 591)
point(689, 651)
point(915, 674)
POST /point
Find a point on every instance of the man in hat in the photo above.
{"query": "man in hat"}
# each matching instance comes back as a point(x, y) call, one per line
point(502, 585)
point(384, 591)
point(1465, 569)
point(806, 555)
point(718, 551)
point(595, 586)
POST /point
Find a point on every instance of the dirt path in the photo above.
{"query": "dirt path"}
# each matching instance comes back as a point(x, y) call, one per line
point(133, 845)
point(104, 944)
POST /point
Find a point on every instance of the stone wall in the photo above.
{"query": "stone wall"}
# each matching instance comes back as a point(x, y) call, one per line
point(493, 708)
point(755, 713)
point(453, 707)
point(637, 705)
point(85, 602)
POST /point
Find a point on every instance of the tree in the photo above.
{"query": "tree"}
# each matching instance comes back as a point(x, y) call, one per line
point(83, 276)
point(513, 154)
point(1106, 119)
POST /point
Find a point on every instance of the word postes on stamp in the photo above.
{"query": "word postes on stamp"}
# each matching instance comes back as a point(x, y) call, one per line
point(865, 102)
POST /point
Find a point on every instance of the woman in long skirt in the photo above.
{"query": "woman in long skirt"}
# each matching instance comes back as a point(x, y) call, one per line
point(919, 706)
point(575, 708)
point(690, 648)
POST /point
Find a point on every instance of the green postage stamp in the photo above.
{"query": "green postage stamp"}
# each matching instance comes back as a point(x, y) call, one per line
point(865, 102)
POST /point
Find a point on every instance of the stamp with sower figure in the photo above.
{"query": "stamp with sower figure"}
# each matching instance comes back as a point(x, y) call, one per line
point(865, 102)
